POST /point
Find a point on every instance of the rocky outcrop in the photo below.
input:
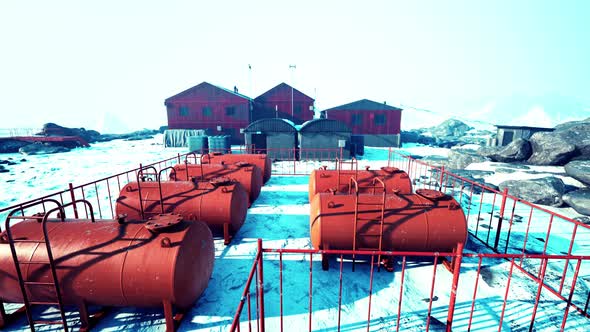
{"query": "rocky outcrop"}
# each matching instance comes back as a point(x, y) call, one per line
point(579, 200)
point(3, 169)
point(11, 146)
point(576, 133)
point(42, 148)
point(547, 191)
point(550, 148)
point(579, 170)
point(134, 136)
point(450, 127)
point(459, 159)
point(52, 129)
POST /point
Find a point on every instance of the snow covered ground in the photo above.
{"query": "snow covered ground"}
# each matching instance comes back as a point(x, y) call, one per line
point(280, 216)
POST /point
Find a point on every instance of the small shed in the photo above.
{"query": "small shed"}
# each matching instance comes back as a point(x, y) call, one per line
point(506, 134)
point(275, 137)
point(322, 139)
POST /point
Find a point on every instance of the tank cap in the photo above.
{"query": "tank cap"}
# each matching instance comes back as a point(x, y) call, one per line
point(389, 169)
point(221, 181)
point(242, 164)
point(430, 194)
point(162, 221)
point(215, 153)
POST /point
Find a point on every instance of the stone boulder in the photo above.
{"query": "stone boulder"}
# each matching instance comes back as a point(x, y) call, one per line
point(450, 127)
point(576, 133)
point(3, 169)
point(579, 170)
point(550, 148)
point(11, 146)
point(517, 150)
point(547, 191)
point(52, 129)
point(459, 159)
point(579, 200)
point(42, 148)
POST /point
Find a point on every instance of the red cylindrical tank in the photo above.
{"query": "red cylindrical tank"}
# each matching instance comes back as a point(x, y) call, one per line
point(110, 264)
point(322, 180)
point(216, 202)
point(260, 160)
point(248, 175)
point(426, 221)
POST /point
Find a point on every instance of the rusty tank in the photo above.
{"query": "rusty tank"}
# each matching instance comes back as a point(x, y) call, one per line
point(221, 203)
point(324, 180)
point(260, 160)
point(248, 175)
point(426, 221)
point(109, 262)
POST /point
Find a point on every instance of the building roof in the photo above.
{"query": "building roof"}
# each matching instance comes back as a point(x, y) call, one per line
point(324, 125)
point(365, 105)
point(525, 127)
point(284, 85)
point(203, 84)
point(271, 125)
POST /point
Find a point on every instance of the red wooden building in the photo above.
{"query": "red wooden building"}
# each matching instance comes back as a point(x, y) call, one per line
point(378, 122)
point(284, 101)
point(206, 106)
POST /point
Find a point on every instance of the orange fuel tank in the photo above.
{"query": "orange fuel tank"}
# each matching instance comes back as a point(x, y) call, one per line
point(217, 202)
point(323, 180)
point(260, 160)
point(108, 263)
point(426, 221)
point(248, 175)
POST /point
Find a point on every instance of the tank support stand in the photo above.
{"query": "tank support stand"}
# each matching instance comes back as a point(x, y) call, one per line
point(172, 320)
point(226, 236)
point(87, 320)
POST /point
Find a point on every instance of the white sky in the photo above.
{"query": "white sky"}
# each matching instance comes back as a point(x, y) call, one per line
point(78, 63)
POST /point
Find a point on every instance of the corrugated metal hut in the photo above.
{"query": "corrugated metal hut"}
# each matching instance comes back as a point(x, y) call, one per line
point(275, 137)
point(507, 134)
point(206, 106)
point(284, 101)
point(323, 138)
point(378, 122)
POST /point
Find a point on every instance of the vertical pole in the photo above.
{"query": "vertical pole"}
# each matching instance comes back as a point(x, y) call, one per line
point(442, 176)
point(409, 165)
point(501, 218)
point(260, 285)
point(453, 297)
point(74, 199)
point(3, 316)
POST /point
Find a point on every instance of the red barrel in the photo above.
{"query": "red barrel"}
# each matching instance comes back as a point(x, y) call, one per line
point(248, 175)
point(110, 264)
point(216, 203)
point(260, 160)
point(325, 180)
point(426, 221)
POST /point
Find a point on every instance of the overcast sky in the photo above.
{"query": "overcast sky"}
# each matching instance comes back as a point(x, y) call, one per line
point(78, 63)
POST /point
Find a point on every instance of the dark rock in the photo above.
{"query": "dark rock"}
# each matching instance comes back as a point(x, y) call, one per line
point(517, 150)
point(547, 191)
point(162, 129)
point(579, 170)
point(459, 159)
point(550, 149)
point(23, 160)
point(576, 133)
point(134, 136)
point(52, 129)
point(450, 127)
point(3, 169)
point(38, 148)
point(584, 220)
point(488, 151)
point(505, 170)
point(11, 146)
point(579, 200)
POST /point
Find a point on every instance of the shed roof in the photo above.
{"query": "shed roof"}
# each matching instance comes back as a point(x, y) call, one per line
point(296, 93)
point(525, 128)
point(202, 85)
point(365, 105)
point(324, 125)
point(271, 125)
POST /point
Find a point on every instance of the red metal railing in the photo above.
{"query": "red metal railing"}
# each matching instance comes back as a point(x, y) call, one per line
point(467, 303)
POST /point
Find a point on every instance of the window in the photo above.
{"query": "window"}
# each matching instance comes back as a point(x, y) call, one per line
point(183, 111)
point(379, 119)
point(230, 111)
point(356, 119)
point(206, 111)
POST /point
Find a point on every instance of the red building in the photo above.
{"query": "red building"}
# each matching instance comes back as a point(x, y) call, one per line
point(206, 106)
point(378, 122)
point(283, 101)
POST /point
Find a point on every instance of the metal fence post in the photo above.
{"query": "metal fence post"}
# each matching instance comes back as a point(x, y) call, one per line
point(453, 297)
point(73, 199)
point(501, 218)
point(442, 177)
point(260, 285)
